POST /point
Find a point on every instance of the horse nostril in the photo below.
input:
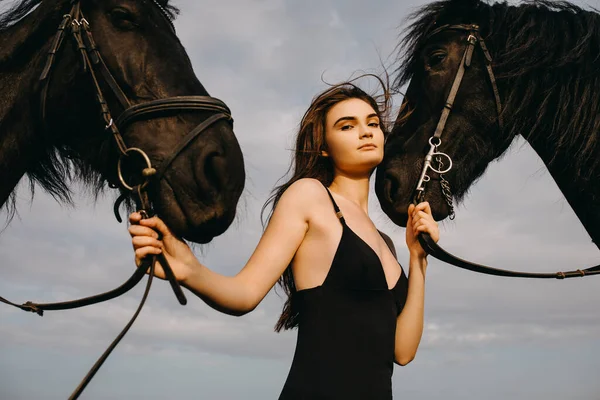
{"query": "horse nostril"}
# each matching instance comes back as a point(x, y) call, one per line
point(391, 185)
point(212, 167)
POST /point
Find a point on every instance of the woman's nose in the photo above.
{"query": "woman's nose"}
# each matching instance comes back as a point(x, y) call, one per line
point(366, 132)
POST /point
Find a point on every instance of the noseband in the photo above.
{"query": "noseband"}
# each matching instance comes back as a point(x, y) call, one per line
point(428, 244)
point(75, 23)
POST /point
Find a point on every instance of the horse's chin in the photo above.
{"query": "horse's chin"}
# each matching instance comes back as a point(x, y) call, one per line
point(199, 230)
point(399, 212)
point(397, 208)
point(204, 231)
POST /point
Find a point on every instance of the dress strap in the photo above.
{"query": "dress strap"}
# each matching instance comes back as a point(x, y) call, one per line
point(338, 213)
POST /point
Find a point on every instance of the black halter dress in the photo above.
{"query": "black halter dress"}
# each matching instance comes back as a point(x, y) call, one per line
point(346, 328)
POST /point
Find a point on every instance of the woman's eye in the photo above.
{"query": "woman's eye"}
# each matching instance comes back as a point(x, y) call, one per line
point(346, 127)
point(436, 58)
point(374, 124)
point(123, 18)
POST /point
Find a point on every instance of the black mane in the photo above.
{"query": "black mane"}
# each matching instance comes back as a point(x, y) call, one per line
point(548, 55)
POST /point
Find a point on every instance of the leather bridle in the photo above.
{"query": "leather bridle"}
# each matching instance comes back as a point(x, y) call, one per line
point(77, 25)
point(428, 244)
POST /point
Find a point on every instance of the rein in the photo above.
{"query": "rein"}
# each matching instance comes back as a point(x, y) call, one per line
point(428, 244)
point(75, 23)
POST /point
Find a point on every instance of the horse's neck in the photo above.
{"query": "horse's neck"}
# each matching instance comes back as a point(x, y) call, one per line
point(583, 195)
point(550, 104)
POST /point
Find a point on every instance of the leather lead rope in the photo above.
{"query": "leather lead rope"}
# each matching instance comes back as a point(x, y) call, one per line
point(148, 265)
point(436, 251)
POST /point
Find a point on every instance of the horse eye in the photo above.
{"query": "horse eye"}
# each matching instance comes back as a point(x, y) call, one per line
point(436, 58)
point(123, 18)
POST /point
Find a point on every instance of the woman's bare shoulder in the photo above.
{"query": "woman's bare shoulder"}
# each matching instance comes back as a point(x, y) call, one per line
point(304, 194)
point(305, 189)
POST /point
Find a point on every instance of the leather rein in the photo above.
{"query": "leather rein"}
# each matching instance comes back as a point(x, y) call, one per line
point(92, 62)
point(428, 244)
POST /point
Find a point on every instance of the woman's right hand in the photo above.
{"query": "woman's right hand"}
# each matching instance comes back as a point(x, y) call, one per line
point(146, 242)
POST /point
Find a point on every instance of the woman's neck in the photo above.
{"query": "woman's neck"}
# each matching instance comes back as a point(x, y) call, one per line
point(353, 189)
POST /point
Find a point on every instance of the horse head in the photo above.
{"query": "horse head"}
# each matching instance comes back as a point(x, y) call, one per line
point(470, 136)
point(119, 78)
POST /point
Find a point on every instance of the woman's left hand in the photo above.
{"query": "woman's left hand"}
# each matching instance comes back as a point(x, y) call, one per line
point(420, 220)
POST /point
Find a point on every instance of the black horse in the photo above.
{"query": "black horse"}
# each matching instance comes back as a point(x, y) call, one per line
point(51, 122)
point(544, 65)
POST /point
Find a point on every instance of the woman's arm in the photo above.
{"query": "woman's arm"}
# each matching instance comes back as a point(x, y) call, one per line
point(409, 325)
point(239, 294)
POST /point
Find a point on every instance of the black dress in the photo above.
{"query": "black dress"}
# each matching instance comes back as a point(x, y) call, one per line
point(346, 328)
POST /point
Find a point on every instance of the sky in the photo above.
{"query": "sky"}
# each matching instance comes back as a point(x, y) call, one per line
point(485, 337)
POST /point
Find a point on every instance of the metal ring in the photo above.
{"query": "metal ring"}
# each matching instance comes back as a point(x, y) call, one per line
point(442, 171)
point(439, 141)
point(109, 124)
point(120, 173)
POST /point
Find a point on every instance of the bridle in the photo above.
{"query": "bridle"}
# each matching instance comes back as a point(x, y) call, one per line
point(93, 63)
point(77, 25)
point(428, 244)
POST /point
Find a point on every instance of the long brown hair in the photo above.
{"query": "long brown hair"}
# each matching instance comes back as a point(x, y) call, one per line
point(309, 163)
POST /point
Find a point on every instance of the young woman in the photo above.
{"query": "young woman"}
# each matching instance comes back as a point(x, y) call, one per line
point(355, 309)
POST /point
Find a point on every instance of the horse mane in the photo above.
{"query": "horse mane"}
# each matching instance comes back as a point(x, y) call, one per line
point(547, 62)
point(24, 7)
point(10, 45)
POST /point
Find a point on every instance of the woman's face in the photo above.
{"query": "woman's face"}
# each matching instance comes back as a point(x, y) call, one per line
point(354, 137)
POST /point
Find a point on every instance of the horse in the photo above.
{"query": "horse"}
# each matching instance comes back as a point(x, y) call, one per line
point(67, 67)
point(63, 79)
point(495, 71)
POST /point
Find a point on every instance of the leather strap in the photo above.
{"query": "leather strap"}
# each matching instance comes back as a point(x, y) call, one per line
point(88, 377)
point(186, 141)
point(177, 103)
point(436, 251)
point(453, 91)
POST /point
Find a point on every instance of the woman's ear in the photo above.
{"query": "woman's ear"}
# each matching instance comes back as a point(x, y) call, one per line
point(324, 153)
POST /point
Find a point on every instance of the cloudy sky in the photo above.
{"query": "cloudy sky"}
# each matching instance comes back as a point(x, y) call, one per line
point(485, 337)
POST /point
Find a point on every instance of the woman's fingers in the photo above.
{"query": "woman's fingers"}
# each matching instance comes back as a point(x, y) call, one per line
point(424, 206)
point(143, 241)
point(156, 224)
point(135, 217)
point(144, 252)
point(138, 230)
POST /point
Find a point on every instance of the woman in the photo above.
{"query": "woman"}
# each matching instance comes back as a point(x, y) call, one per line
point(355, 309)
